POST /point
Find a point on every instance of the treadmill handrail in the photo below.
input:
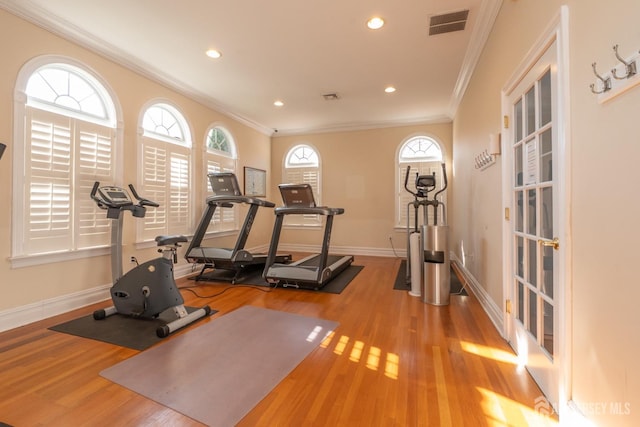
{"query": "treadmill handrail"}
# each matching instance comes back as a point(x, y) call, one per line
point(318, 210)
point(218, 200)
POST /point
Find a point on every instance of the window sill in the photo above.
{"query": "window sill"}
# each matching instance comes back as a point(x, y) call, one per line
point(23, 261)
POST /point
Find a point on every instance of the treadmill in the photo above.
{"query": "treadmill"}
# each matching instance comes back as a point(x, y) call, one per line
point(230, 263)
point(314, 271)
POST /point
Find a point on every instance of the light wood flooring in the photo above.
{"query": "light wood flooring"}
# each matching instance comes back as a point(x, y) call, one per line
point(393, 361)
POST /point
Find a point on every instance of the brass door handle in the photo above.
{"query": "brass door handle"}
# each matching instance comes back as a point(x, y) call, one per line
point(555, 243)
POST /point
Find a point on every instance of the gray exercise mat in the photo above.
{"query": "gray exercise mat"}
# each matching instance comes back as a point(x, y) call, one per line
point(216, 373)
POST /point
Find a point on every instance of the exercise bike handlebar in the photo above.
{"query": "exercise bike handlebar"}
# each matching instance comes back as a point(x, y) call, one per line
point(141, 200)
point(95, 198)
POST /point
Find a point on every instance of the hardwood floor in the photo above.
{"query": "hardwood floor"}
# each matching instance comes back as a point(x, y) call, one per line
point(393, 361)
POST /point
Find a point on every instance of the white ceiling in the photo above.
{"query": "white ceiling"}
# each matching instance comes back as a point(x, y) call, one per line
point(293, 50)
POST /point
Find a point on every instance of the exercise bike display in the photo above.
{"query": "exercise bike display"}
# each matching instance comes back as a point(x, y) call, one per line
point(149, 288)
point(428, 264)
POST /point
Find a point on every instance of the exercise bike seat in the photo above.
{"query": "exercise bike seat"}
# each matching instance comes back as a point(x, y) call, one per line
point(170, 240)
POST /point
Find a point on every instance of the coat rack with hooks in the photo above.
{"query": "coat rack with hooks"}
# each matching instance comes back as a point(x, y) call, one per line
point(622, 77)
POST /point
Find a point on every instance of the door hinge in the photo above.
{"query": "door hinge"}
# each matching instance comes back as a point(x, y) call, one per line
point(506, 214)
point(507, 306)
point(505, 122)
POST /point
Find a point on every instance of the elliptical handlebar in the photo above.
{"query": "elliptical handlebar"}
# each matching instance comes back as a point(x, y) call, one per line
point(444, 177)
point(406, 181)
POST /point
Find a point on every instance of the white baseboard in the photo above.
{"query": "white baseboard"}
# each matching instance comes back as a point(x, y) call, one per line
point(20, 316)
point(488, 304)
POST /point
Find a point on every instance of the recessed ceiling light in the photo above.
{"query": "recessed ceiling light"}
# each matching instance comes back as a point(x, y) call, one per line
point(389, 89)
point(278, 103)
point(212, 53)
point(375, 23)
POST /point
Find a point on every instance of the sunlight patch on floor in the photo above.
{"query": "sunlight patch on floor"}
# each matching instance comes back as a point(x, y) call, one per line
point(374, 360)
point(504, 412)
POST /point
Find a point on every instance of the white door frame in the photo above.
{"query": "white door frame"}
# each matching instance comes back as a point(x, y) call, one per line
point(556, 31)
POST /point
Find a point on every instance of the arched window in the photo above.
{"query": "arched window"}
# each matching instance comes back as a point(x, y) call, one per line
point(66, 142)
point(220, 156)
point(302, 166)
point(423, 155)
point(165, 171)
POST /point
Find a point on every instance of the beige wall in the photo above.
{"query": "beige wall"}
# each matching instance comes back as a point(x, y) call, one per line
point(358, 174)
point(603, 208)
point(32, 285)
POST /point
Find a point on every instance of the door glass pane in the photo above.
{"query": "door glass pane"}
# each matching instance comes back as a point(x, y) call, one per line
point(533, 264)
point(546, 215)
point(517, 161)
point(545, 156)
point(517, 119)
point(519, 211)
point(533, 313)
point(520, 256)
point(530, 104)
point(545, 98)
point(547, 271)
point(547, 342)
point(520, 305)
point(531, 211)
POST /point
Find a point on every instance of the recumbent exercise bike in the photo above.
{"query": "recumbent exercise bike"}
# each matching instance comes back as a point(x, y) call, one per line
point(148, 289)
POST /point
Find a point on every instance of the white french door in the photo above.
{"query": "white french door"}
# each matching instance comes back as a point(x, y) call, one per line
point(534, 250)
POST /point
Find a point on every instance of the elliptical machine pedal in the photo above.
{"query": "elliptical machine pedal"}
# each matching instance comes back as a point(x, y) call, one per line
point(148, 289)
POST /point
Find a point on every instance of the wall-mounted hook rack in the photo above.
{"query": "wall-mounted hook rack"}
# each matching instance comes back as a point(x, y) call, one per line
point(484, 160)
point(622, 77)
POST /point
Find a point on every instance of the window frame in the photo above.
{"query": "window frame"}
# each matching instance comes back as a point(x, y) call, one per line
point(228, 162)
point(422, 165)
point(22, 103)
point(145, 234)
point(288, 168)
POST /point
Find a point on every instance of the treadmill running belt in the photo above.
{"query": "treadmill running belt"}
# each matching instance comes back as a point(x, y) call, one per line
point(313, 262)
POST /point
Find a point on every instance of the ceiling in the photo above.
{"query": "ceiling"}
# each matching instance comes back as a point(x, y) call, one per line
point(290, 50)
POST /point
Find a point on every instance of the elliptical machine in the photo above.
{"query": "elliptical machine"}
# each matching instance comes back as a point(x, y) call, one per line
point(149, 288)
point(428, 265)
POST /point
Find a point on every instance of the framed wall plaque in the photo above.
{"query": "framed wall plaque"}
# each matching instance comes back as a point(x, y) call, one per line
point(255, 182)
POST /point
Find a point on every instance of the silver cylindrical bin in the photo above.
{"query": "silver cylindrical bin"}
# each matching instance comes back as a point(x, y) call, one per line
point(437, 274)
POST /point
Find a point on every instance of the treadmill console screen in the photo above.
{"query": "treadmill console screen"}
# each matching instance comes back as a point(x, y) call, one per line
point(224, 184)
point(297, 195)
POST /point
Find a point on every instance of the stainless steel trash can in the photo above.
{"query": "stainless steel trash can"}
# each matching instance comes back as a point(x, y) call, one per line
point(437, 274)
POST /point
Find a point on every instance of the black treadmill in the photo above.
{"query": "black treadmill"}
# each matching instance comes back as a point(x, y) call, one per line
point(314, 271)
point(229, 263)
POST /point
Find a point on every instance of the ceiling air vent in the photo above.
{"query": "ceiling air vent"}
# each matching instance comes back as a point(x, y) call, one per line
point(331, 96)
point(448, 22)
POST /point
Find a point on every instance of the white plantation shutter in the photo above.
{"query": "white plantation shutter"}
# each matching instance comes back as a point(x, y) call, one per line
point(154, 184)
point(94, 162)
point(63, 157)
point(166, 181)
point(179, 199)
